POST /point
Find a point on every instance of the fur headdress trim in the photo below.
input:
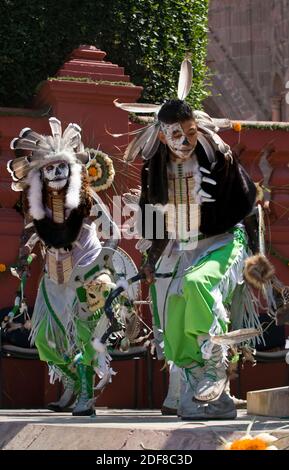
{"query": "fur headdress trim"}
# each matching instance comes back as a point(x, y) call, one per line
point(35, 196)
point(43, 150)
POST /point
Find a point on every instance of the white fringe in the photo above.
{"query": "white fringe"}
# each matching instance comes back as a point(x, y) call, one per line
point(53, 334)
point(54, 374)
point(244, 308)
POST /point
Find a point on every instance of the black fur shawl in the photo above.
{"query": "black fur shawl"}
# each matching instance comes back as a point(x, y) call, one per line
point(60, 235)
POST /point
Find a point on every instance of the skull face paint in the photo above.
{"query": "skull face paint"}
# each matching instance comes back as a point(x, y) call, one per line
point(97, 291)
point(178, 142)
point(56, 175)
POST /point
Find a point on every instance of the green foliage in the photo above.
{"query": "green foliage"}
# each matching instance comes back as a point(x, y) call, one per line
point(147, 37)
point(89, 80)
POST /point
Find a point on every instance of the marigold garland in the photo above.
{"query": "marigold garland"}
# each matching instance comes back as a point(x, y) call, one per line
point(100, 170)
point(237, 126)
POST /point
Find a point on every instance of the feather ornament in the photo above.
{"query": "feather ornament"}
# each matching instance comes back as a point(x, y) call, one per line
point(56, 130)
point(69, 134)
point(236, 336)
point(29, 134)
point(18, 168)
point(205, 122)
point(26, 144)
point(144, 108)
point(144, 142)
point(185, 79)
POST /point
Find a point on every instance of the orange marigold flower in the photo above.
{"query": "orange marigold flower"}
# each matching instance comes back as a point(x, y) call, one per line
point(2, 267)
point(92, 171)
point(237, 126)
point(249, 444)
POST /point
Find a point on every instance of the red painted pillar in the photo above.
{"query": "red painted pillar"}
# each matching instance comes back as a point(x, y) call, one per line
point(87, 96)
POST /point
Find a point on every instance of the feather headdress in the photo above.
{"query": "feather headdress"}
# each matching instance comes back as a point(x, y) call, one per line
point(43, 149)
point(146, 142)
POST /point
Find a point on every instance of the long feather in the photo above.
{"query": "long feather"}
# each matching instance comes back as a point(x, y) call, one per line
point(75, 141)
point(29, 134)
point(70, 132)
point(25, 144)
point(137, 144)
point(205, 121)
point(235, 337)
point(56, 130)
point(185, 79)
point(135, 132)
point(55, 126)
point(222, 123)
point(129, 151)
point(23, 133)
point(138, 107)
point(18, 168)
point(152, 144)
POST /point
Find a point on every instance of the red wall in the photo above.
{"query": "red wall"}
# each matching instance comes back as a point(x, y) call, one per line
point(277, 219)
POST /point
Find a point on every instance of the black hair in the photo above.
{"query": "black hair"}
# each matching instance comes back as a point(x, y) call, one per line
point(175, 111)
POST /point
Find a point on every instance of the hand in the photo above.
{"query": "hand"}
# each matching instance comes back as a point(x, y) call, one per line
point(21, 269)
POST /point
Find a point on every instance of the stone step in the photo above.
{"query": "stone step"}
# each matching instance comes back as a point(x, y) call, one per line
point(269, 402)
point(125, 429)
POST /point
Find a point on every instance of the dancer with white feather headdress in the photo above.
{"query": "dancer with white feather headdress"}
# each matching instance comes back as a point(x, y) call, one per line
point(194, 196)
point(61, 213)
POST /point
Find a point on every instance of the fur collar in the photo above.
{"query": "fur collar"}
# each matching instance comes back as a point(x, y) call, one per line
point(35, 191)
point(62, 235)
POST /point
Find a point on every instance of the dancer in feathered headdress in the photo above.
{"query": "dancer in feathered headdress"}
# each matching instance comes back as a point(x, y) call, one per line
point(60, 212)
point(194, 196)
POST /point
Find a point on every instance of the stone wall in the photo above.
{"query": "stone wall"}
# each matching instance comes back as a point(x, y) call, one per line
point(248, 55)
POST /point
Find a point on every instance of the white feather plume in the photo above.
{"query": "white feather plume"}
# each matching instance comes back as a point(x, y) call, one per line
point(56, 130)
point(144, 143)
point(69, 134)
point(185, 79)
point(144, 108)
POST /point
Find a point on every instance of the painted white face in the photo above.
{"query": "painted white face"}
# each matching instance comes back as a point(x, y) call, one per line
point(56, 175)
point(177, 141)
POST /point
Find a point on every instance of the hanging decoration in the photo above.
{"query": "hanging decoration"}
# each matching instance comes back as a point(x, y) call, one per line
point(100, 170)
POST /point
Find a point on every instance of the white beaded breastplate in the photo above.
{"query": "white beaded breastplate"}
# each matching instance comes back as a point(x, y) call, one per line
point(184, 181)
